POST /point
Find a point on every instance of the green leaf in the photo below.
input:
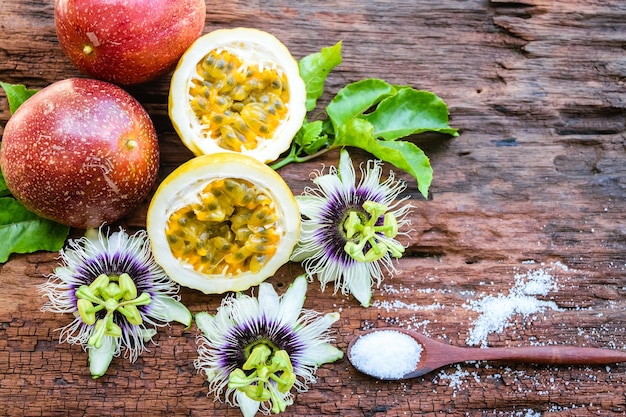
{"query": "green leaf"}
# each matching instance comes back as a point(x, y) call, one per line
point(311, 137)
point(22, 231)
point(356, 98)
point(4, 190)
point(314, 69)
point(369, 114)
point(16, 94)
point(408, 112)
point(404, 155)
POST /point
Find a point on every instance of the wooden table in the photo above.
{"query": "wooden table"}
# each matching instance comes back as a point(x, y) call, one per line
point(535, 186)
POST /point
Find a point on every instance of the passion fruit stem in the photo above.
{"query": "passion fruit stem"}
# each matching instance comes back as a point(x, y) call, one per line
point(113, 293)
point(361, 230)
point(130, 144)
point(87, 49)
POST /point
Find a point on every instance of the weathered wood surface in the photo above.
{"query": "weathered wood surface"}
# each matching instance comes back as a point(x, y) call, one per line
point(535, 183)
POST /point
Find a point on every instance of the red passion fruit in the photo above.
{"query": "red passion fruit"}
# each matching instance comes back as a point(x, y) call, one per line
point(81, 152)
point(127, 42)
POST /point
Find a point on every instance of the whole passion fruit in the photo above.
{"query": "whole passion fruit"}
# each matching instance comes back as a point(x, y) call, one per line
point(127, 42)
point(81, 152)
point(237, 90)
point(222, 222)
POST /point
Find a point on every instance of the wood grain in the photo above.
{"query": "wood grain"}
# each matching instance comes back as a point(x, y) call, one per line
point(536, 181)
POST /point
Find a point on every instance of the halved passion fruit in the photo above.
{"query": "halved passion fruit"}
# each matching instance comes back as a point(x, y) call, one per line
point(222, 222)
point(237, 90)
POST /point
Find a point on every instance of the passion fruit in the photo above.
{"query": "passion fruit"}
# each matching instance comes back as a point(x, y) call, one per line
point(127, 42)
point(81, 152)
point(237, 90)
point(222, 222)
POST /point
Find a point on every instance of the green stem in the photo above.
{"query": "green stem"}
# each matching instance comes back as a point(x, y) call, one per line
point(293, 157)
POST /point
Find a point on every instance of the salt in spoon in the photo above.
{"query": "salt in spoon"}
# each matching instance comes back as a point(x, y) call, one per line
point(392, 348)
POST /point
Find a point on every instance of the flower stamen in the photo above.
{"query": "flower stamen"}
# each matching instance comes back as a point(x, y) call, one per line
point(362, 230)
point(113, 293)
point(266, 363)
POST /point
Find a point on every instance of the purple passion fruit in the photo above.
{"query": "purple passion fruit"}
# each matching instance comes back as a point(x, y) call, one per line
point(81, 152)
point(127, 42)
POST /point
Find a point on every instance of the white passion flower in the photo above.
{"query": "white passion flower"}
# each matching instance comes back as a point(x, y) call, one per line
point(255, 350)
point(348, 229)
point(117, 293)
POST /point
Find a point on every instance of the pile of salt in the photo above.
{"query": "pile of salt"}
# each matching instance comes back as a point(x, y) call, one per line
point(386, 354)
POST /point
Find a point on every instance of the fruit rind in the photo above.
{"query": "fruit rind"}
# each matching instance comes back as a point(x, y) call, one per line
point(180, 189)
point(255, 46)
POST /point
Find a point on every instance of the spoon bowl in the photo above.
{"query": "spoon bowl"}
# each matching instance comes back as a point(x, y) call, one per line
point(434, 355)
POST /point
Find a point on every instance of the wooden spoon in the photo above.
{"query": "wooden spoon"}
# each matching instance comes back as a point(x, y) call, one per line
point(435, 354)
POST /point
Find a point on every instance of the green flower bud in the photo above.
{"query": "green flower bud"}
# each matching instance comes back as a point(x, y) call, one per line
point(390, 225)
point(285, 382)
point(374, 209)
point(282, 360)
point(352, 225)
point(143, 300)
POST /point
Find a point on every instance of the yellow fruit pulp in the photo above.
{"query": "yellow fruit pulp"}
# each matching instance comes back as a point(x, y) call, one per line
point(237, 90)
point(230, 229)
point(235, 103)
point(222, 222)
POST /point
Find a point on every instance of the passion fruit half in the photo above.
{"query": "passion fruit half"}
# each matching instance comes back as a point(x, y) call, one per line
point(237, 90)
point(222, 222)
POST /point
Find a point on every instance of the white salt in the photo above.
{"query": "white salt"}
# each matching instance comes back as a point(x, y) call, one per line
point(386, 354)
point(495, 311)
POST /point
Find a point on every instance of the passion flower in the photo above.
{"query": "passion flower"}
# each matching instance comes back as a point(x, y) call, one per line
point(349, 229)
point(237, 90)
point(222, 222)
point(117, 294)
point(255, 350)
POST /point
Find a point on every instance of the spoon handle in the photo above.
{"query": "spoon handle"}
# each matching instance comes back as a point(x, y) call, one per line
point(548, 355)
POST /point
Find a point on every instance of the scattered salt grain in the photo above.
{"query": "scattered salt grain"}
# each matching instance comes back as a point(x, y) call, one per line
point(401, 305)
point(495, 311)
point(455, 379)
point(386, 354)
